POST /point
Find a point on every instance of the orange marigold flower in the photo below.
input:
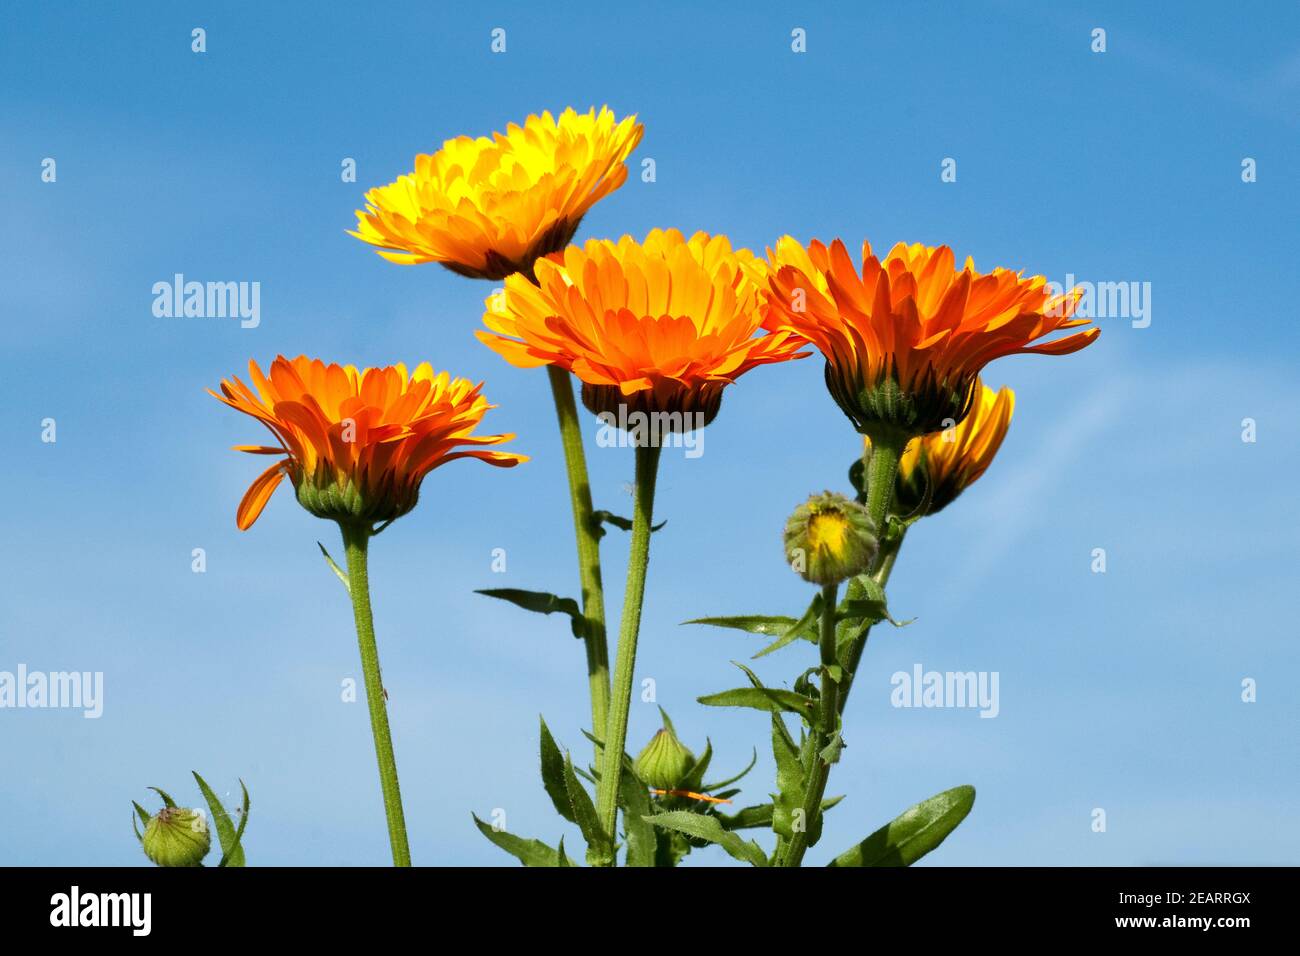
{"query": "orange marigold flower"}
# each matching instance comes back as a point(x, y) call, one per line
point(941, 465)
point(659, 326)
point(357, 444)
point(486, 208)
point(905, 339)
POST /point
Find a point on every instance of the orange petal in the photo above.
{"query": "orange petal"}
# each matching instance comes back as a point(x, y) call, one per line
point(258, 494)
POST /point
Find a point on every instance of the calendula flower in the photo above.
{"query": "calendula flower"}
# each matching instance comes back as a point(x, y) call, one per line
point(357, 444)
point(904, 339)
point(487, 208)
point(659, 326)
point(946, 463)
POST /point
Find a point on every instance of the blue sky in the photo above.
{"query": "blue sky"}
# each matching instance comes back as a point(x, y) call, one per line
point(1120, 691)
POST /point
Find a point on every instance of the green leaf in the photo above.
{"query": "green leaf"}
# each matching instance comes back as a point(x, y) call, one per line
point(805, 627)
point(914, 833)
point(527, 852)
point(790, 781)
point(167, 800)
point(553, 775)
point(694, 779)
point(834, 747)
point(228, 857)
point(232, 854)
point(542, 602)
point(635, 800)
point(624, 524)
point(709, 828)
point(347, 585)
point(584, 812)
point(764, 698)
point(760, 815)
point(753, 624)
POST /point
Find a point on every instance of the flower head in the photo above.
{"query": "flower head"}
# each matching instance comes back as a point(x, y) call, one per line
point(177, 836)
point(659, 326)
point(943, 464)
point(357, 444)
point(486, 208)
point(665, 762)
point(829, 539)
point(904, 338)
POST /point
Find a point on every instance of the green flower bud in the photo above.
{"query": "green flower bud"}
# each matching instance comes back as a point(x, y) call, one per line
point(665, 761)
point(830, 539)
point(176, 836)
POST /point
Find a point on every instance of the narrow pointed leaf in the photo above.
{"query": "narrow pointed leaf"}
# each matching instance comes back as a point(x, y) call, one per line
point(764, 698)
point(543, 603)
point(584, 811)
point(640, 833)
point(221, 822)
point(342, 575)
point(553, 775)
point(805, 627)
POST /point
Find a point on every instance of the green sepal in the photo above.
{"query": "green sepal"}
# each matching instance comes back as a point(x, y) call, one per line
point(166, 799)
point(708, 828)
point(709, 787)
point(543, 602)
point(142, 816)
point(528, 852)
point(913, 833)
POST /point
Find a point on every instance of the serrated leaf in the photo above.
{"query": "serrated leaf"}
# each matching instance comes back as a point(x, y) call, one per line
point(528, 852)
point(542, 602)
point(913, 833)
point(553, 774)
point(232, 854)
point(708, 828)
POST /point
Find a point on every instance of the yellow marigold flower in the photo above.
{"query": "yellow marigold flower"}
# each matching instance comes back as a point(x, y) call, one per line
point(656, 326)
point(357, 444)
point(948, 462)
point(486, 208)
point(905, 339)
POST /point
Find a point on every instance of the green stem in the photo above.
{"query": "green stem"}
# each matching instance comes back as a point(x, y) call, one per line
point(356, 540)
point(881, 467)
point(588, 539)
point(828, 717)
point(611, 765)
